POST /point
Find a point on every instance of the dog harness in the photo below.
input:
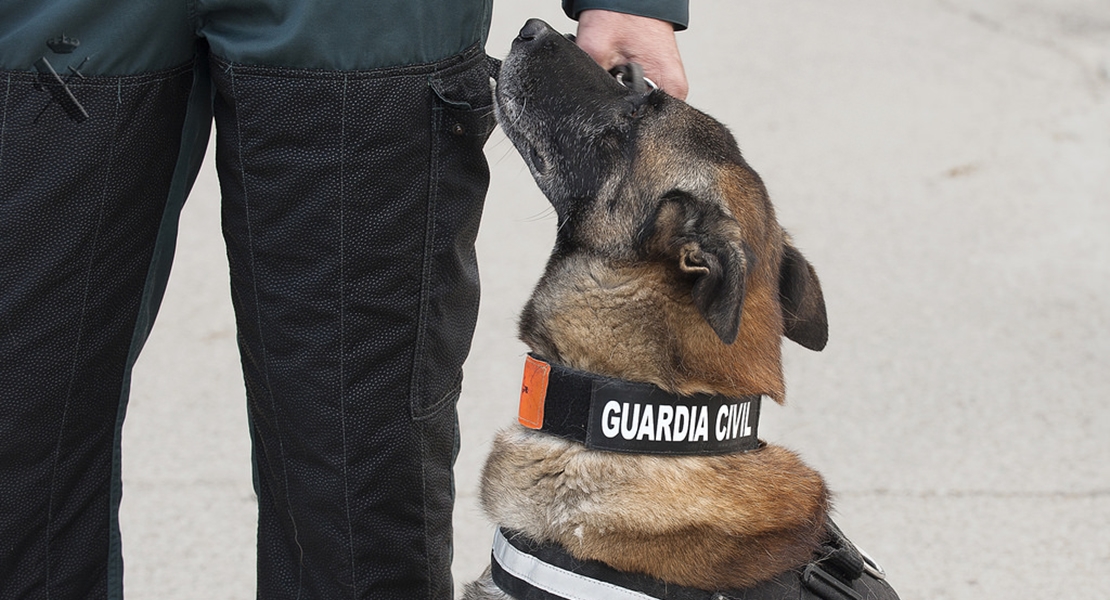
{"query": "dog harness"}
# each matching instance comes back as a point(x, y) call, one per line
point(622, 416)
point(528, 570)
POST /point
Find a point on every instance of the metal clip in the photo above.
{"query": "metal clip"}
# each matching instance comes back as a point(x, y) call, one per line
point(871, 566)
point(631, 76)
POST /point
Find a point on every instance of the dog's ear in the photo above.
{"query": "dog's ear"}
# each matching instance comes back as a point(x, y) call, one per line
point(717, 266)
point(803, 304)
point(704, 244)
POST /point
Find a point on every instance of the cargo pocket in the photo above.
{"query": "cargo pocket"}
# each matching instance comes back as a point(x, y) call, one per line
point(462, 119)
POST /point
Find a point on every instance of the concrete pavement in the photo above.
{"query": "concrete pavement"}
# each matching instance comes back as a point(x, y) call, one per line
point(945, 166)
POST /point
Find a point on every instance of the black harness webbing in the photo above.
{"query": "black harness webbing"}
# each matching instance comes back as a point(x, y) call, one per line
point(623, 416)
point(528, 570)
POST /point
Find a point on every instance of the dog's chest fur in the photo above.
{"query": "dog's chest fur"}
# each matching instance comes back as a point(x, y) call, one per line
point(711, 522)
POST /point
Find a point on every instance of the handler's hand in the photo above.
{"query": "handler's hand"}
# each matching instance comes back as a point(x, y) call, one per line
point(615, 39)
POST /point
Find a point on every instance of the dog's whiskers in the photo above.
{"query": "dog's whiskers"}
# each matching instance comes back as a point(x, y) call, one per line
point(559, 229)
point(540, 216)
point(515, 111)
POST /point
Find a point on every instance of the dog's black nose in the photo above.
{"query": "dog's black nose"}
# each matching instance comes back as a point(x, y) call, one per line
point(532, 29)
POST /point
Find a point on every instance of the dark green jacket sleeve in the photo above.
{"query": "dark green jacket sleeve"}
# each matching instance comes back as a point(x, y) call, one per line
point(675, 11)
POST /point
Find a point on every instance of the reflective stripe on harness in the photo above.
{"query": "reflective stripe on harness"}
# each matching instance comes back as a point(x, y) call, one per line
point(528, 570)
point(557, 582)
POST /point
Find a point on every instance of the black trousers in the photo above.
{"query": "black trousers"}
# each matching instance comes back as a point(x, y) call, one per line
point(351, 202)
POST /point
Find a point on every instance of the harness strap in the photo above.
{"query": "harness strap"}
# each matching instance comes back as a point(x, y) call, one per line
point(528, 570)
point(527, 577)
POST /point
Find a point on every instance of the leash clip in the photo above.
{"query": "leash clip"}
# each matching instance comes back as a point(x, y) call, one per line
point(631, 76)
point(871, 566)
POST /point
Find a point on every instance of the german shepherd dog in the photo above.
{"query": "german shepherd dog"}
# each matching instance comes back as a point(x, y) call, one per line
point(669, 271)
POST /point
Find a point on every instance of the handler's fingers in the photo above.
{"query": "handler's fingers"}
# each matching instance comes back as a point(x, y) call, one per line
point(614, 39)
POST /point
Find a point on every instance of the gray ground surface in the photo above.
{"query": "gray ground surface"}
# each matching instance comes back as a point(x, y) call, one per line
point(945, 165)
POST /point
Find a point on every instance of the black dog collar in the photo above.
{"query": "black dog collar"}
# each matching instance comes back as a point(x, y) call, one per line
point(623, 416)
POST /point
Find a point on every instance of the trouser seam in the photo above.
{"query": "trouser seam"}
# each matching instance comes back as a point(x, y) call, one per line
point(258, 316)
point(3, 130)
point(429, 575)
point(196, 128)
point(194, 17)
point(4, 117)
point(417, 404)
point(425, 285)
point(29, 77)
point(441, 68)
point(342, 350)
point(76, 355)
point(425, 291)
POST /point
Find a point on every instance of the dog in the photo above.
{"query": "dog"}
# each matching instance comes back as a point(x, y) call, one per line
point(658, 321)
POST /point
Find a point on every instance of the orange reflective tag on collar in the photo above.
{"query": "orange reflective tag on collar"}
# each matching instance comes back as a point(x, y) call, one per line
point(533, 392)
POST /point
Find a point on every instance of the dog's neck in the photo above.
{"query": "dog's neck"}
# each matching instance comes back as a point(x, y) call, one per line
point(610, 320)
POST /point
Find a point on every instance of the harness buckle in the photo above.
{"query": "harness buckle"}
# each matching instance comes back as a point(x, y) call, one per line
point(827, 585)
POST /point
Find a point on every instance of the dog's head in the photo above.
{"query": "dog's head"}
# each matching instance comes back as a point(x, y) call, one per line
point(669, 265)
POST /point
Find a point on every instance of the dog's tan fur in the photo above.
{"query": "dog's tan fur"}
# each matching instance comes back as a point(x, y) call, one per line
point(710, 522)
point(638, 308)
point(635, 292)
